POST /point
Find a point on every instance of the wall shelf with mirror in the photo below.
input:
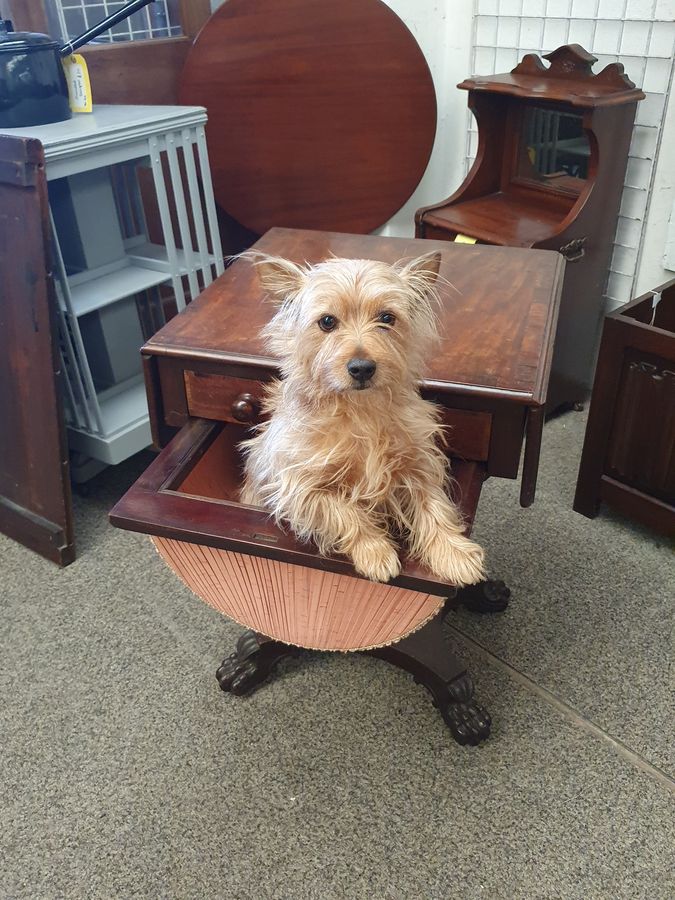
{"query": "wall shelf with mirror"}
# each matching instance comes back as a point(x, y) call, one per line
point(552, 152)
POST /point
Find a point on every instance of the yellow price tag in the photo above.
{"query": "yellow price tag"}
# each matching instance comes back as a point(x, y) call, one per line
point(79, 86)
point(464, 239)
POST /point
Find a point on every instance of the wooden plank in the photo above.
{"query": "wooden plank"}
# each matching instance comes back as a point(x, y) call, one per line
point(193, 14)
point(133, 72)
point(34, 482)
point(35, 532)
point(648, 510)
point(27, 15)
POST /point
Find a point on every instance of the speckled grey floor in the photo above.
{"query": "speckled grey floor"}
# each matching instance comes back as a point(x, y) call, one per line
point(126, 773)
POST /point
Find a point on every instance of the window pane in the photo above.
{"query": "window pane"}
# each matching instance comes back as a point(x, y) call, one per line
point(69, 18)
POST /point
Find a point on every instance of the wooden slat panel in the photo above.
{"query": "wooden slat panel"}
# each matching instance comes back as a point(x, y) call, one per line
point(642, 441)
point(27, 15)
point(193, 15)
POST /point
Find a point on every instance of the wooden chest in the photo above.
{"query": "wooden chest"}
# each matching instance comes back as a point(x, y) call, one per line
point(629, 451)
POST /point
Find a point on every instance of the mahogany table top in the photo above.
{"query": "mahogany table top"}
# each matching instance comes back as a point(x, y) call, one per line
point(310, 126)
point(497, 327)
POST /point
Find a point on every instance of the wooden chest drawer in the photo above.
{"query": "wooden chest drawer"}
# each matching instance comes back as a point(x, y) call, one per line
point(483, 430)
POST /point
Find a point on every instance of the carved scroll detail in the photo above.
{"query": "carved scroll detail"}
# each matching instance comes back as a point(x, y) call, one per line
point(573, 62)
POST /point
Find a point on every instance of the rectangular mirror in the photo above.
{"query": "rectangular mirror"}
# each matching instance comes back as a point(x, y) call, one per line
point(553, 148)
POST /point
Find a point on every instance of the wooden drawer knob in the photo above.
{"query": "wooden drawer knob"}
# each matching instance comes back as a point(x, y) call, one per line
point(245, 408)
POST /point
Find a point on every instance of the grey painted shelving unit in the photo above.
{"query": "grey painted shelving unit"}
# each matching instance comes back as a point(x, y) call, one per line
point(112, 282)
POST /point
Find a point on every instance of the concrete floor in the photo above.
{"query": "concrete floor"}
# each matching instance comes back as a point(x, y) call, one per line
point(127, 773)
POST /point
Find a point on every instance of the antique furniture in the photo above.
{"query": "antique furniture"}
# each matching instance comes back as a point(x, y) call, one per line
point(308, 127)
point(114, 286)
point(204, 371)
point(552, 152)
point(105, 264)
point(34, 485)
point(628, 459)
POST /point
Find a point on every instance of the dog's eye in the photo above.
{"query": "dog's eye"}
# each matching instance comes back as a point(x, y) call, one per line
point(327, 323)
point(386, 318)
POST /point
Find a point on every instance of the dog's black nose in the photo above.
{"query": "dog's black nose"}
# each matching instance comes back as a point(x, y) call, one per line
point(361, 369)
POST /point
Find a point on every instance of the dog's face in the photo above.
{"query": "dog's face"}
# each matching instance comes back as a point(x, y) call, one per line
point(351, 325)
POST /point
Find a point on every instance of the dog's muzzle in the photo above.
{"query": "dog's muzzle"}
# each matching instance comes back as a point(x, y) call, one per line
point(361, 370)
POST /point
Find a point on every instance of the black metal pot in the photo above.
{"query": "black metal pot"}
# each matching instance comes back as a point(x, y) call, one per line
point(33, 89)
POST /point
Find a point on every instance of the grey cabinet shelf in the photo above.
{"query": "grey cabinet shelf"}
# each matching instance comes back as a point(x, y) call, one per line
point(125, 428)
point(101, 290)
point(111, 280)
point(154, 256)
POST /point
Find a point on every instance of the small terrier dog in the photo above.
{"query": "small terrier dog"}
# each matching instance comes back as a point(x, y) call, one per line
point(349, 455)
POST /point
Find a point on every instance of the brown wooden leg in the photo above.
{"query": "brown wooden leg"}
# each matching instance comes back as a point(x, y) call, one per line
point(251, 663)
point(426, 655)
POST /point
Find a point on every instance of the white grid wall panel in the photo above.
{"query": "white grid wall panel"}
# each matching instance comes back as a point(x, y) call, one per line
point(638, 33)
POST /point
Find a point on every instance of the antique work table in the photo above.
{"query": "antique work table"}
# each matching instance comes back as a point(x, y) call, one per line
point(204, 371)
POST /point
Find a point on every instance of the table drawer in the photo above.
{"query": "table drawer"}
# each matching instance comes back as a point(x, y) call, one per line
point(229, 553)
point(467, 433)
point(238, 400)
point(223, 398)
point(191, 492)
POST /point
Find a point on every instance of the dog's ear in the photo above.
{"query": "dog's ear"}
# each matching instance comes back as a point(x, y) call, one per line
point(422, 271)
point(280, 277)
point(420, 276)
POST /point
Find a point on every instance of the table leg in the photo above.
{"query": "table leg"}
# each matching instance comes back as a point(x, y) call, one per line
point(251, 663)
point(484, 597)
point(424, 654)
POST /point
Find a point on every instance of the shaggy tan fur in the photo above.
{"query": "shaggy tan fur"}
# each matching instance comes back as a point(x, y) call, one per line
point(349, 464)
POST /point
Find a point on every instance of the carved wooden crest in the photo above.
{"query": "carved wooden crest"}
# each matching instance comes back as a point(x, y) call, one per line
point(573, 62)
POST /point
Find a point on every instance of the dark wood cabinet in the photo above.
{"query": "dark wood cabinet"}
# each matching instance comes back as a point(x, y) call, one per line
point(552, 153)
point(629, 451)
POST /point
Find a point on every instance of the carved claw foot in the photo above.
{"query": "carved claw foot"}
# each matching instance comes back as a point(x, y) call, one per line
point(485, 597)
point(426, 655)
point(250, 664)
point(468, 722)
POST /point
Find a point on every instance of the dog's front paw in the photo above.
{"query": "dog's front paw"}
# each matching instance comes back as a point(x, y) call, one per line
point(376, 559)
point(455, 559)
